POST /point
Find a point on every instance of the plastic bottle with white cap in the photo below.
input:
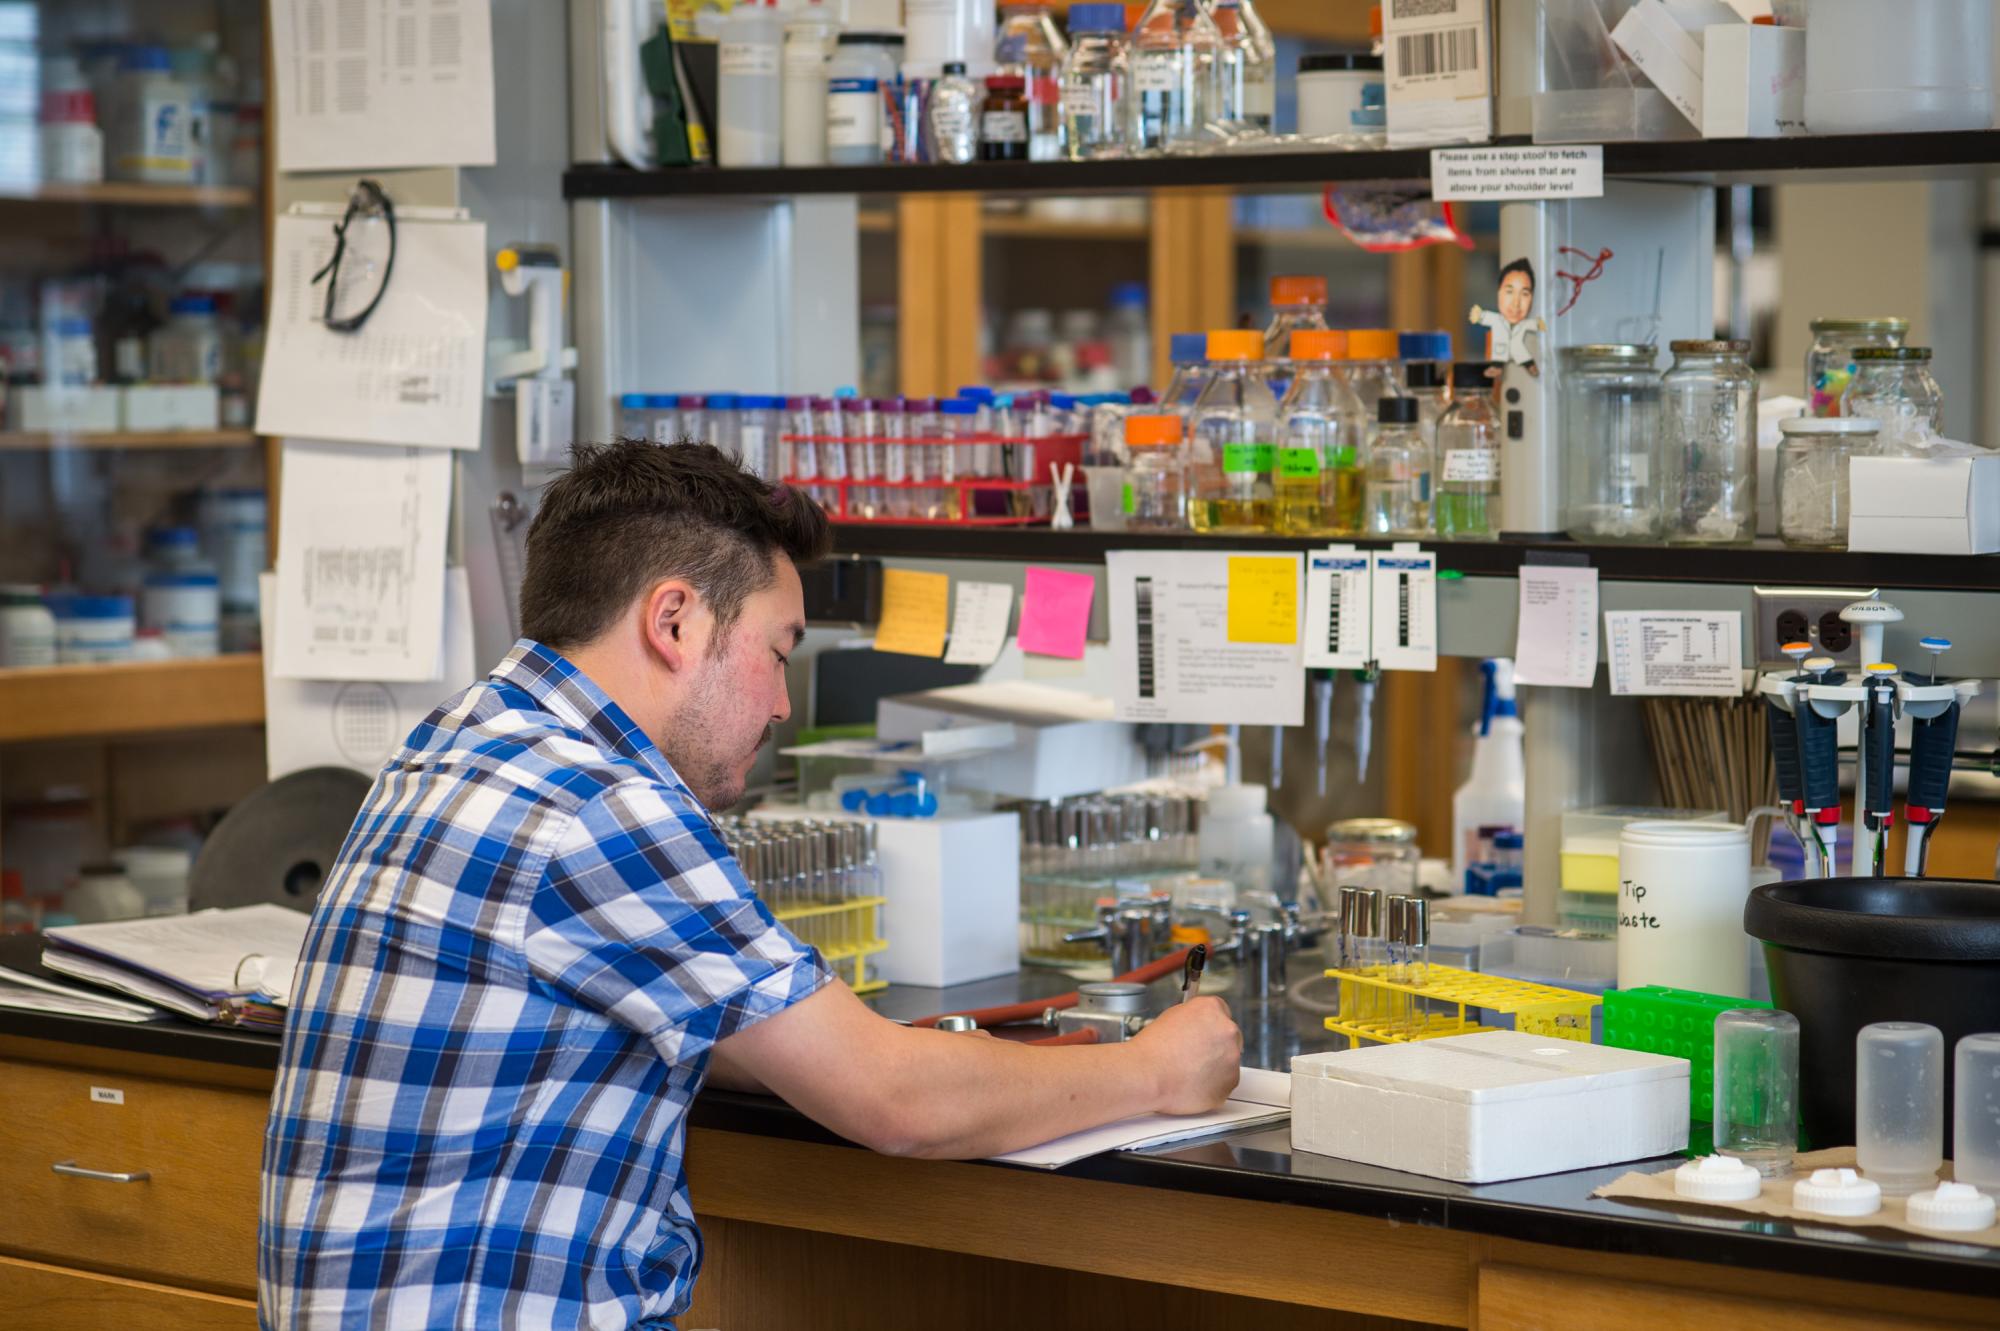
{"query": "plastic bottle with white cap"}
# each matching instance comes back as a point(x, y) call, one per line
point(750, 86)
point(1235, 837)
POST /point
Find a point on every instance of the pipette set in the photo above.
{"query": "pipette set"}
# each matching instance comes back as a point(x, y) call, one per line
point(1806, 705)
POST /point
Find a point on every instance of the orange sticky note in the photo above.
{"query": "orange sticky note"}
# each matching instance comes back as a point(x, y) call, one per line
point(914, 612)
point(1055, 612)
point(1263, 599)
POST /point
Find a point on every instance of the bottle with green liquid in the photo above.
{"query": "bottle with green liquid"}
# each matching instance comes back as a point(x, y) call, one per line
point(1466, 499)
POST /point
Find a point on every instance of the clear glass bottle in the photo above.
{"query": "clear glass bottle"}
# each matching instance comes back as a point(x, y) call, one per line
point(1296, 303)
point(951, 117)
point(1321, 433)
point(1757, 1088)
point(1610, 417)
point(1371, 367)
point(1176, 77)
point(1155, 491)
point(1188, 352)
point(1249, 66)
point(1893, 387)
point(1398, 465)
point(1467, 471)
point(1030, 45)
point(1430, 384)
point(1830, 359)
point(1095, 78)
point(1812, 477)
point(1234, 423)
point(1708, 450)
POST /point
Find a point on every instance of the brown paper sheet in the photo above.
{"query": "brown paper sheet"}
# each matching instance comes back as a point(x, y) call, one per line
point(1776, 1200)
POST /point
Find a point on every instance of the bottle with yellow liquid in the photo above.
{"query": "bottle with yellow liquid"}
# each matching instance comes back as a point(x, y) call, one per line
point(1321, 434)
point(1232, 437)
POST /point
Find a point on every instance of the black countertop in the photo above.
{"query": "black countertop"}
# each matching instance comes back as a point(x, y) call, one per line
point(1257, 1164)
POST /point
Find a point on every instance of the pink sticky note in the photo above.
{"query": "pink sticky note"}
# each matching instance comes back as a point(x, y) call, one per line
point(1055, 612)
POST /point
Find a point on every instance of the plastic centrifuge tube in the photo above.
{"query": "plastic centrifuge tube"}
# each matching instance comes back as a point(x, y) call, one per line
point(1975, 1122)
point(1899, 1105)
point(1756, 1088)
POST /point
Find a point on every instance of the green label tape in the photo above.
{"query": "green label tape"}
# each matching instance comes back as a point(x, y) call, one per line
point(1247, 457)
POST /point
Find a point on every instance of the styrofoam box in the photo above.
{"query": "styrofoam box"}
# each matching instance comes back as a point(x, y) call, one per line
point(83, 410)
point(1481, 1108)
point(1065, 743)
point(172, 407)
point(1926, 506)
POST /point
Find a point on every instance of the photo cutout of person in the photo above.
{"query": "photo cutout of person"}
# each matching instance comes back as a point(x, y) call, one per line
point(1513, 330)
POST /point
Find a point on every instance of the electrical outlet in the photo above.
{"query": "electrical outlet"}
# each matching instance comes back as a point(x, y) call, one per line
point(1809, 614)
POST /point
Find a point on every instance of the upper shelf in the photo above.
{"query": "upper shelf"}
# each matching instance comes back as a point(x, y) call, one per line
point(135, 698)
point(123, 194)
point(1766, 563)
point(1722, 161)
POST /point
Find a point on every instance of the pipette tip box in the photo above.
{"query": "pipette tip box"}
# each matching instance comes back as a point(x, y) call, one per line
point(1482, 1108)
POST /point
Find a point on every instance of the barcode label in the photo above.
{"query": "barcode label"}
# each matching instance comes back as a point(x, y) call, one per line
point(1333, 616)
point(1447, 51)
point(1142, 596)
point(1402, 610)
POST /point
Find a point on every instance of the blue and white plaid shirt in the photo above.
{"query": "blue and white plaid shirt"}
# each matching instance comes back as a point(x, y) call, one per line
point(531, 941)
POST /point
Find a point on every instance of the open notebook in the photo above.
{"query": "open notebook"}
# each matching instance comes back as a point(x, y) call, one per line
point(1260, 1098)
point(231, 967)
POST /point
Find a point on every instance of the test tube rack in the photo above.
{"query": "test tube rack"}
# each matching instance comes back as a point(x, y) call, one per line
point(846, 933)
point(1384, 1005)
point(957, 497)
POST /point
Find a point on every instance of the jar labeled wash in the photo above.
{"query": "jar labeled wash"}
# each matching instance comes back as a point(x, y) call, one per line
point(1813, 504)
point(1611, 442)
point(1830, 359)
point(1708, 444)
point(1893, 387)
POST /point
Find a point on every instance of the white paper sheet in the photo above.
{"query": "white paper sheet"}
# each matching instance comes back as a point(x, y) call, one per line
point(1661, 652)
point(31, 993)
point(1555, 641)
point(371, 84)
point(358, 723)
point(360, 591)
point(415, 371)
point(1403, 596)
point(1171, 655)
point(979, 615)
point(1338, 616)
point(1261, 1097)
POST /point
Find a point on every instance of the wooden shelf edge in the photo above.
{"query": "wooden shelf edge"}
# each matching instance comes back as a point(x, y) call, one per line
point(137, 698)
point(31, 440)
point(117, 193)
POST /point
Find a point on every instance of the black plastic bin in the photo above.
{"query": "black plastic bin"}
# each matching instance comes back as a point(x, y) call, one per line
point(1847, 952)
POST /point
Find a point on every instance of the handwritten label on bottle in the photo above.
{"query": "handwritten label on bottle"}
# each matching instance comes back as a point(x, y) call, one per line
point(1246, 457)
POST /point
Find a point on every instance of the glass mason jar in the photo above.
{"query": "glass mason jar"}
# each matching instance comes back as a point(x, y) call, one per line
point(1893, 387)
point(1235, 422)
point(1830, 360)
point(1610, 417)
point(1812, 477)
point(1371, 852)
point(1708, 444)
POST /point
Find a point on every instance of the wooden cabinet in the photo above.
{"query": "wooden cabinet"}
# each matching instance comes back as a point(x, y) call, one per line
point(35, 1296)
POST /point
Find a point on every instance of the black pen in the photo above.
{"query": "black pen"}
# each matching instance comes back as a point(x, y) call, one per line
point(1191, 977)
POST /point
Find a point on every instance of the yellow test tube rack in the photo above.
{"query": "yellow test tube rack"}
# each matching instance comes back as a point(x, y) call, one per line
point(1384, 1005)
point(846, 933)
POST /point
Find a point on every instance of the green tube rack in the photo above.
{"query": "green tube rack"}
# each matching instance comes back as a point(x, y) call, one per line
point(1677, 1022)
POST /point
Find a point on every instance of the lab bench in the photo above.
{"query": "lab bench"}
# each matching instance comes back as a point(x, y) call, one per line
point(804, 1230)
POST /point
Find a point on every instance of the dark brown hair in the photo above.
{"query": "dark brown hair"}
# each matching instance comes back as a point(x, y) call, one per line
point(629, 513)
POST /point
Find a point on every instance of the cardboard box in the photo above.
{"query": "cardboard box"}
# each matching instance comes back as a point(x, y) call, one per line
point(1481, 1108)
point(63, 409)
point(168, 407)
point(1753, 81)
point(1065, 743)
point(1925, 506)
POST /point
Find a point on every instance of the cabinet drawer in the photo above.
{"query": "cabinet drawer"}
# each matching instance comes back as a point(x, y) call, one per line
point(191, 1220)
point(54, 1298)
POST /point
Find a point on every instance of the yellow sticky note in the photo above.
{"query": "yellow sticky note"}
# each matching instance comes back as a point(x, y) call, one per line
point(1263, 599)
point(914, 612)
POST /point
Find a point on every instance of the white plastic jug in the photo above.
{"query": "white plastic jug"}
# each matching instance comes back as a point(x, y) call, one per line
point(1681, 889)
point(1910, 65)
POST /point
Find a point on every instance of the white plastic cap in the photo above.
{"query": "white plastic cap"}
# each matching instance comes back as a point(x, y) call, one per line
point(1718, 1178)
point(1956, 1206)
point(1837, 1192)
point(1245, 801)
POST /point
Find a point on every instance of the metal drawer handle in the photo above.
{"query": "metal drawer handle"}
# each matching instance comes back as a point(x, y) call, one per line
point(71, 1169)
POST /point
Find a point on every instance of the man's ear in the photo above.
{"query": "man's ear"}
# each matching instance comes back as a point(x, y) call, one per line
point(666, 621)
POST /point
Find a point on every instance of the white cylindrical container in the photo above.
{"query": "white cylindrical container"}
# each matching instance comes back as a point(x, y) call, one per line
point(1681, 889)
point(1333, 91)
point(809, 36)
point(236, 525)
point(1235, 837)
point(939, 31)
point(149, 125)
point(863, 65)
point(94, 630)
point(72, 145)
point(186, 607)
point(1913, 66)
point(160, 875)
point(188, 350)
point(750, 87)
point(27, 628)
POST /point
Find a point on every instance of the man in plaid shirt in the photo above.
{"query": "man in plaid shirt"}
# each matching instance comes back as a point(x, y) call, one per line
point(534, 949)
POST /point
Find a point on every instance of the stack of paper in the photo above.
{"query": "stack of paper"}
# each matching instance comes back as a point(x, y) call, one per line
point(231, 967)
point(31, 993)
point(1260, 1098)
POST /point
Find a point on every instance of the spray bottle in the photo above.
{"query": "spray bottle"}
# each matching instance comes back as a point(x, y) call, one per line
point(1496, 792)
point(1235, 840)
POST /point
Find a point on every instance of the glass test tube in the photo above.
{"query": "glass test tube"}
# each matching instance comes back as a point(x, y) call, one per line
point(1757, 1088)
point(1899, 1105)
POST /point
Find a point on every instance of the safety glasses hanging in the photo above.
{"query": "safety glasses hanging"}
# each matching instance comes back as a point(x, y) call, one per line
point(366, 276)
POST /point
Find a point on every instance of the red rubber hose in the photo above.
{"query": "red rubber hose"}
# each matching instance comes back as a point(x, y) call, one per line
point(1084, 1036)
point(1014, 1013)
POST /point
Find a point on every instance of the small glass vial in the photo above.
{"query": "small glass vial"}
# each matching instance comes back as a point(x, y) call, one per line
point(951, 117)
point(1709, 444)
point(1321, 434)
point(1398, 471)
point(1830, 360)
point(1812, 477)
point(1975, 1115)
point(1235, 421)
point(1757, 1088)
point(1176, 58)
point(1155, 491)
point(1899, 1105)
point(1466, 475)
point(1003, 124)
point(1893, 387)
point(1610, 417)
point(1094, 82)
